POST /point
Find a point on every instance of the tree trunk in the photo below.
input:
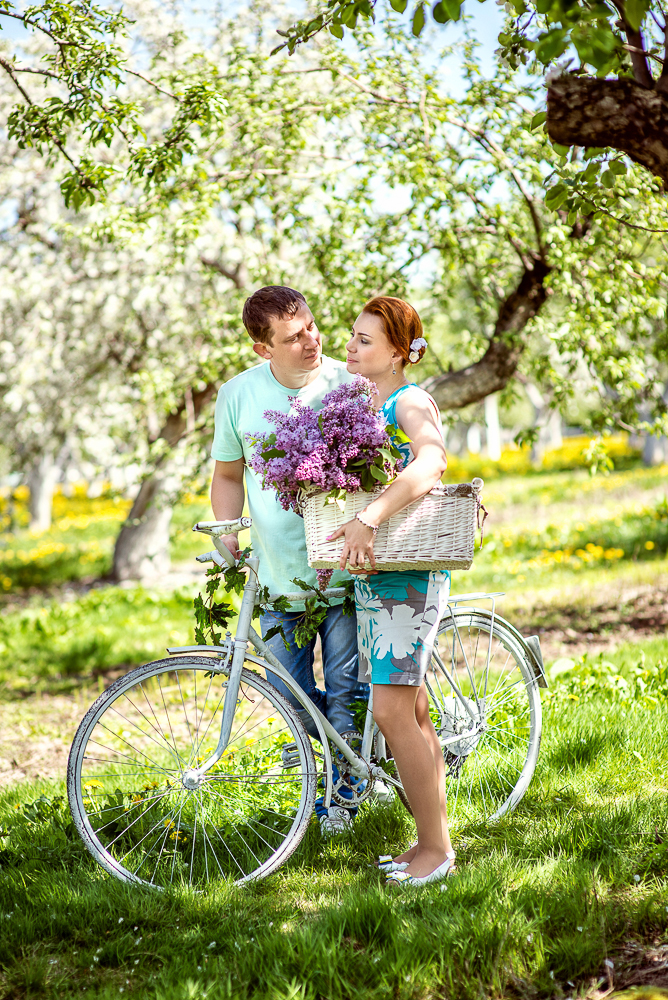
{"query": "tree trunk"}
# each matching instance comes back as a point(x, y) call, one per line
point(586, 111)
point(142, 547)
point(654, 450)
point(42, 480)
point(499, 362)
point(493, 427)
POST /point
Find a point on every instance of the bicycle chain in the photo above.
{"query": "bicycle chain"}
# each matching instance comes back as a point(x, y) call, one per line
point(359, 789)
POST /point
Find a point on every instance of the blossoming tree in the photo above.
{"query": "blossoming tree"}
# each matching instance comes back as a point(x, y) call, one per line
point(344, 178)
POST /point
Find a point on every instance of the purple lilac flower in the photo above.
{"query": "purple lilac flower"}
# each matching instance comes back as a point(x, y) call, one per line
point(315, 449)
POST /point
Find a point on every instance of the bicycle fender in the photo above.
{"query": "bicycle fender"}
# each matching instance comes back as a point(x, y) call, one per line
point(530, 644)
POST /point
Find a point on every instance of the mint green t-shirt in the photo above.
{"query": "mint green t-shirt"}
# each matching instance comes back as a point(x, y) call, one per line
point(277, 535)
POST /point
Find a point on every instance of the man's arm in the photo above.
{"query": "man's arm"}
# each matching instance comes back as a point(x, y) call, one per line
point(227, 496)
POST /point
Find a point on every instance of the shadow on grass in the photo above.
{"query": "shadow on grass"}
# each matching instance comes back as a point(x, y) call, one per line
point(577, 875)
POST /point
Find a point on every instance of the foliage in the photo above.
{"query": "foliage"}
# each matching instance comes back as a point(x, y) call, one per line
point(542, 897)
point(635, 531)
point(210, 614)
point(151, 294)
point(88, 104)
point(540, 30)
point(342, 447)
point(57, 644)
point(601, 329)
point(573, 454)
point(646, 685)
point(78, 545)
point(627, 38)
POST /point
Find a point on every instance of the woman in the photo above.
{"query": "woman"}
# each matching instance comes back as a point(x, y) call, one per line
point(398, 612)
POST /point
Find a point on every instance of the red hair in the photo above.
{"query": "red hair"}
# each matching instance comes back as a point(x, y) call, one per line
point(402, 323)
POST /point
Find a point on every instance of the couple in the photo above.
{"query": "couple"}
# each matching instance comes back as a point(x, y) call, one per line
point(397, 612)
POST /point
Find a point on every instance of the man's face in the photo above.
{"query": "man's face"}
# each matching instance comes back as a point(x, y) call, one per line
point(295, 344)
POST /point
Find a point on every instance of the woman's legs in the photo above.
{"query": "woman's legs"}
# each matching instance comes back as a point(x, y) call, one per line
point(402, 713)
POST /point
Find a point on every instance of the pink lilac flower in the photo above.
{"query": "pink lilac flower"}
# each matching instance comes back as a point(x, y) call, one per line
point(324, 576)
point(316, 450)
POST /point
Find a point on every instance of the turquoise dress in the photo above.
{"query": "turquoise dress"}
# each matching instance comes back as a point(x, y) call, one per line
point(398, 612)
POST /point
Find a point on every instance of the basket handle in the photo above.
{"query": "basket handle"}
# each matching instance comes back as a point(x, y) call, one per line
point(481, 524)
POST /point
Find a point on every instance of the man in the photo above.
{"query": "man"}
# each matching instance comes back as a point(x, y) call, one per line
point(286, 337)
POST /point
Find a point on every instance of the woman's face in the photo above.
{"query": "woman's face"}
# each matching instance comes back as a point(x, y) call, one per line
point(369, 352)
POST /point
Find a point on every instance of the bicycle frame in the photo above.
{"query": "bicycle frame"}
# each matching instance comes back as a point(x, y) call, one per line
point(236, 649)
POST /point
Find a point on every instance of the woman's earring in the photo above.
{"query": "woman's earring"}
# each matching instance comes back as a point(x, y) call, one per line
point(393, 369)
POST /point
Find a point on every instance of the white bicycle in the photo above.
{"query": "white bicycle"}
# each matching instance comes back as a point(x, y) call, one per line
point(195, 767)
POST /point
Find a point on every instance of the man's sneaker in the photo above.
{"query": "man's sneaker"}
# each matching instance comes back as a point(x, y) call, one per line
point(335, 820)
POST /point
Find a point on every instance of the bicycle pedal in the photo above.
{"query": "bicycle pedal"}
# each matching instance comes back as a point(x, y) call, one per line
point(289, 755)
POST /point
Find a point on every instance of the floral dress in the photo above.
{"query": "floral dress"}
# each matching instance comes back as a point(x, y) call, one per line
point(398, 611)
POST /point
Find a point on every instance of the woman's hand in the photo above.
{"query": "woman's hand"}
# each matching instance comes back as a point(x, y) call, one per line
point(357, 546)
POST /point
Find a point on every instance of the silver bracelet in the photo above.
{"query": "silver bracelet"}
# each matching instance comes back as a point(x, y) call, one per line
point(374, 527)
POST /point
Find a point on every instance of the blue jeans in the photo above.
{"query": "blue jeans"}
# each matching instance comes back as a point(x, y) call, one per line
point(338, 635)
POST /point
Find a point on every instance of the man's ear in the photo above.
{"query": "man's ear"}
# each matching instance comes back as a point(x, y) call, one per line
point(261, 349)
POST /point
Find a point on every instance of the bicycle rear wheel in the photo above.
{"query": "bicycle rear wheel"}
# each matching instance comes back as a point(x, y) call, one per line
point(498, 718)
point(127, 771)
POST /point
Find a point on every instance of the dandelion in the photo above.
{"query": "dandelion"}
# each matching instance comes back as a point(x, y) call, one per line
point(636, 878)
point(649, 545)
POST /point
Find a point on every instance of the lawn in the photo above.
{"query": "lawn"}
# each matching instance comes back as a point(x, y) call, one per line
point(565, 897)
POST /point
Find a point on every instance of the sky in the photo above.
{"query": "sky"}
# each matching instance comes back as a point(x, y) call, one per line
point(486, 19)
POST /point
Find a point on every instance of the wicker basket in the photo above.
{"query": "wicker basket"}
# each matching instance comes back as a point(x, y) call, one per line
point(435, 532)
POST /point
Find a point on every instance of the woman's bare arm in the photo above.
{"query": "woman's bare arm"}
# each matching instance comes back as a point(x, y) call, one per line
point(416, 415)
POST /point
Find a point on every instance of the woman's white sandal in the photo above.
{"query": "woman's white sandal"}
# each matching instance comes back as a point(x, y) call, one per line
point(387, 865)
point(402, 878)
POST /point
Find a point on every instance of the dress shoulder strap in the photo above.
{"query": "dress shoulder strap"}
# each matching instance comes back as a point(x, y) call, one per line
point(389, 407)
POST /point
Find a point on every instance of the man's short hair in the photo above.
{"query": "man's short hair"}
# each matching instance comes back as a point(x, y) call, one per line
point(270, 302)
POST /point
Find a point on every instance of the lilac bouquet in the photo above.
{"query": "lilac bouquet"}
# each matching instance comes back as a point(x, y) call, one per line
point(342, 448)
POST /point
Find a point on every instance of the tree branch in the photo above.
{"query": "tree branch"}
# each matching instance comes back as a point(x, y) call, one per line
point(637, 52)
point(499, 362)
point(132, 72)
point(7, 66)
point(586, 111)
point(237, 275)
point(662, 82)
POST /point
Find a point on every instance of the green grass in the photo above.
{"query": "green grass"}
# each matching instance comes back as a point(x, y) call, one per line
point(541, 899)
point(79, 545)
point(50, 645)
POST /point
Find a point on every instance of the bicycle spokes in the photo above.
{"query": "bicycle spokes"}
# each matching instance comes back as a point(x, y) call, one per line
point(154, 814)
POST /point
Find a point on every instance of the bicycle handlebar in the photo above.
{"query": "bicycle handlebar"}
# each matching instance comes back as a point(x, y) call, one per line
point(217, 528)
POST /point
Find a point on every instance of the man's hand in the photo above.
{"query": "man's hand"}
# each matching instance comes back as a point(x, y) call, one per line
point(232, 543)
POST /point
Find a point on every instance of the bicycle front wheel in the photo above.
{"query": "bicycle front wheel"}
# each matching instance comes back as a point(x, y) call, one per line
point(490, 725)
point(130, 776)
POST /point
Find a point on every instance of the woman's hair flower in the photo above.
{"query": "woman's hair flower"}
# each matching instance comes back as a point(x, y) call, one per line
point(418, 345)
